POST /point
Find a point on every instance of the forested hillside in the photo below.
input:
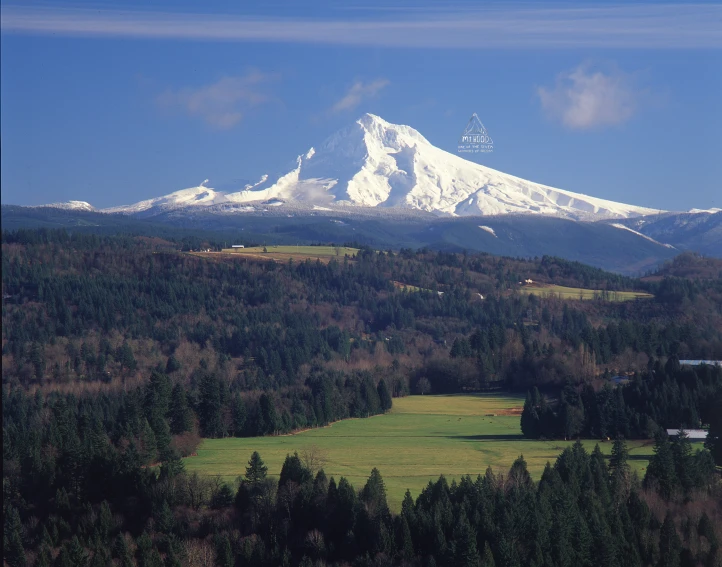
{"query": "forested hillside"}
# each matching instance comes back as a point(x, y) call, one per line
point(121, 352)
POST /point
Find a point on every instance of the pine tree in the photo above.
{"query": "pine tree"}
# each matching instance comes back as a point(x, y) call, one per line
point(121, 551)
point(384, 396)
point(466, 553)
point(224, 553)
point(209, 407)
point(149, 446)
point(374, 494)
point(164, 520)
point(13, 552)
point(714, 436)
point(238, 410)
point(661, 467)
point(105, 521)
point(669, 544)
point(406, 544)
point(530, 419)
point(256, 469)
point(620, 472)
point(179, 413)
point(487, 559)
point(77, 555)
point(684, 461)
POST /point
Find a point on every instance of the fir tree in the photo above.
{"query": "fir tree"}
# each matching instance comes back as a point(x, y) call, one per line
point(14, 553)
point(238, 411)
point(487, 559)
point(256, 469)
point(179, 413)
point(209, 406)
point(661, 468)
point(669, 544)
point(384, 396)
point(374, 494)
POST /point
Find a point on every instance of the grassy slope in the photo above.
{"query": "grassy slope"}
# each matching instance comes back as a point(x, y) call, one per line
point(300, 251)
point(563, 292)
point(421, 438)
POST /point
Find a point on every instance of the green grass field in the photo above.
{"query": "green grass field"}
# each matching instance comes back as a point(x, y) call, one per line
point(580, 293)
point(421, 438)
point(320, 252)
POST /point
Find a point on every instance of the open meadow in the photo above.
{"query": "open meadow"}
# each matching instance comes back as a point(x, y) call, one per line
point(284, 253)
point(419, 439)
point(562, 292)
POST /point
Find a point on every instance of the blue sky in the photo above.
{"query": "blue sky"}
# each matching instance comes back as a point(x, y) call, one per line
point(114, 103)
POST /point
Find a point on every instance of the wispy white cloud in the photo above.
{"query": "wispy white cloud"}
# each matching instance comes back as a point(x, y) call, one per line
point(644, 26)
point(220, 104)
point(358, 93)
point(586, 98)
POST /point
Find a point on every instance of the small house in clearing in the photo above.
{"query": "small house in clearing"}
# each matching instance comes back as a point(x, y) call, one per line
point(238, 246)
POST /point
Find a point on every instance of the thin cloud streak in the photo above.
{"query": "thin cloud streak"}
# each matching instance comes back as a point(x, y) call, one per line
point(358, 93)
point(668, 26)
point(222, 104)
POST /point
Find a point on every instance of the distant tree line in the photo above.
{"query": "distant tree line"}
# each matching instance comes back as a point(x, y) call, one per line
point(665, 397)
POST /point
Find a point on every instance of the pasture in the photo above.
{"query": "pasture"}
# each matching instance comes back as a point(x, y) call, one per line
point(421, 438)
point(562, 292)
point(284, 253)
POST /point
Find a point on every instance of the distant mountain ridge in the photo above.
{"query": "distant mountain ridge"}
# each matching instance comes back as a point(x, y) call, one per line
point(373, 163)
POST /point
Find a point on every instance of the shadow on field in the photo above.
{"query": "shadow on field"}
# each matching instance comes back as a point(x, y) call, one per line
point(508, 437)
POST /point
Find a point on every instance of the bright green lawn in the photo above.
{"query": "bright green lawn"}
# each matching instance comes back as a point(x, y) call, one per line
point(421, 438)
point(581, 293)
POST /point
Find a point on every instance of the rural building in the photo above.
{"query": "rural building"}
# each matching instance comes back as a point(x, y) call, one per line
point(700, 362)
point(237, 246)
point(699, 434)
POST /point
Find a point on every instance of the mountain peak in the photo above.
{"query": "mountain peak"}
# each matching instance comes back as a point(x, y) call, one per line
point(374, 163)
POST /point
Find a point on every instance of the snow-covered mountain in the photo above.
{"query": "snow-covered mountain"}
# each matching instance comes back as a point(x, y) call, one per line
point(373, 163)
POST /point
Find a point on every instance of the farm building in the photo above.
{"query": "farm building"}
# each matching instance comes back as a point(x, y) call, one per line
point(237, 246)
point(700, 362)
point(700, 434)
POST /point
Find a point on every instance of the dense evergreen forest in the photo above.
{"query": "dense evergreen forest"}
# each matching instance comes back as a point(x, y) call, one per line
point(121, 352)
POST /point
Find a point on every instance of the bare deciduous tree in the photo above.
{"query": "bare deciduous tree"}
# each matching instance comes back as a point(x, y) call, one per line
point(198, 553)
point(314, 458)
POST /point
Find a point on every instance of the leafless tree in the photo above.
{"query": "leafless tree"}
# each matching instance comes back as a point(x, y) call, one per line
point(314, 458)
point(423, 386)
point(198, 553)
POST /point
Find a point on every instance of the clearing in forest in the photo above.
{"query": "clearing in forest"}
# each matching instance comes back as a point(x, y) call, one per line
point(562, 292)
point(284, 253)
point(421, 438)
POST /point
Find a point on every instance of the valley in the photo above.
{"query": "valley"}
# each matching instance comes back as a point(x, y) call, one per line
point(421, 438)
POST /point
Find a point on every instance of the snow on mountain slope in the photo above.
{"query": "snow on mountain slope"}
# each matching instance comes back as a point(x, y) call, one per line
point(621, 226)
point(72, 206)
point(194, 196)
point(373, 163)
